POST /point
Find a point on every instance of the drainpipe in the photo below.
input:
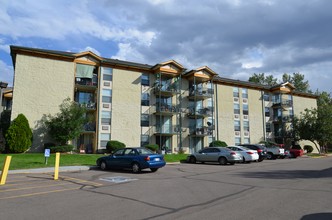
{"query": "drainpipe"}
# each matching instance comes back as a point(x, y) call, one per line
point(264, 120)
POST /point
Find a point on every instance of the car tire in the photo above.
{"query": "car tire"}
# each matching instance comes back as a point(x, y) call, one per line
point(192, 160)
point(153, 169)
point(136, 168)
point(222, 161)
point(103, 165)
point(269, 156)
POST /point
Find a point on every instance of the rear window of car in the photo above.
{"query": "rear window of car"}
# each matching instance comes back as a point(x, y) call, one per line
point(144, 151)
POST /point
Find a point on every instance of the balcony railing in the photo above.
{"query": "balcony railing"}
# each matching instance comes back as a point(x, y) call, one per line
point(168, 90)
point(200, 94)
point(200, 113)
point(89, 106)
point(86, 83)
point(284, 103)
point(166, 129)
point(91, 126)
point(201, 131)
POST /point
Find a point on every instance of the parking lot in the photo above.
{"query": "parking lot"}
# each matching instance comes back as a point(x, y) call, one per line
point(274, 189)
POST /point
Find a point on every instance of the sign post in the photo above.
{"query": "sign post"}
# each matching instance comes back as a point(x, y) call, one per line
point(47, 154)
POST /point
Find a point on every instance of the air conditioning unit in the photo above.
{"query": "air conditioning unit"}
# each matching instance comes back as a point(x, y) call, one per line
point(236, 99)
point(237, 133)
point(245, 100)
point(237, 116)
point(246, 133)
point(245, 117)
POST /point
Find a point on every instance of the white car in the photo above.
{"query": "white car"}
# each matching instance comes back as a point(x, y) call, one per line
point(247, 154)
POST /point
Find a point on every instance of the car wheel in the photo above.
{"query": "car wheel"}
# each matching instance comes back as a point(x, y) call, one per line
point(222, 160)
point(153, 169)
point(136, 168)
point(192, 160)
point(103, 165)
point(269, 156)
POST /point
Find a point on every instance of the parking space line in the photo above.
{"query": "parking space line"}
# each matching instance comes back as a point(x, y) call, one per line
point(33, 187)
point(39, 193)
point(81, 181)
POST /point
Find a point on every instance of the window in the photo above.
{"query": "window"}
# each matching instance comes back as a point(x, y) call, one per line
point(268, 127)
point(236, 92)
point(107, 77)
point(107, 74)
point(145, 81)
point(84, 97)
point(246, 140)
point(145, 120)
point(105, 117)
point(245, 109)
point(266, 97)
point(236, 108)
point(267, 111)
point(145, 99)
point(246, 125)
point(107, 95)
point(237, 141)
point(244, 93)
point(237, 125)
point(144, 140)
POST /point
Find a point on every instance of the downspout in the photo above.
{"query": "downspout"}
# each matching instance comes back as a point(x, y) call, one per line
point(264, 120)
point(217, 111)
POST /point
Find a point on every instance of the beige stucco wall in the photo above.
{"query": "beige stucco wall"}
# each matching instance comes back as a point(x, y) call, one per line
point(40, 86)
point(225, 118)
point(301, 103)
point(126, 107)
point(256, 114)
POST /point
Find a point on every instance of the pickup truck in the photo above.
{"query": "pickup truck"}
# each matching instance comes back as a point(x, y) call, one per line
point(296, 151)
point(274, 152)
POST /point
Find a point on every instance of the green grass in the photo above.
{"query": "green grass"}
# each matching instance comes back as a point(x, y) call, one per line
point(37, 160)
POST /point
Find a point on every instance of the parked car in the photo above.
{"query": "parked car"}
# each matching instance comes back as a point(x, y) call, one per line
point(261, 150)
point(274, 152)
point(296, 151)
point(222, 155)
point(132, 158)
point(247, 154)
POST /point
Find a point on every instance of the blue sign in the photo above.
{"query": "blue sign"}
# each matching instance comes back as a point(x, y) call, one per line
point(47, 153)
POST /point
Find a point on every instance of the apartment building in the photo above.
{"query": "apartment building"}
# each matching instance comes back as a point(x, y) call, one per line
point(140, 104)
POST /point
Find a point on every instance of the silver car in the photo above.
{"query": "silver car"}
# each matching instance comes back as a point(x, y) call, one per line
point(221, 155)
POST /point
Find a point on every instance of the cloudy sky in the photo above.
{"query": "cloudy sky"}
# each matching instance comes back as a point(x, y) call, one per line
point(235, 38)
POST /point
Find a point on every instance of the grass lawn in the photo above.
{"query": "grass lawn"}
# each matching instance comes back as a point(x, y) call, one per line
point(37, 160)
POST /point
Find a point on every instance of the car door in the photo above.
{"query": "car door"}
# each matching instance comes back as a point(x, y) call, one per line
point(116, 158)
point(203, 155)
point(128, 157)
point(213, 155)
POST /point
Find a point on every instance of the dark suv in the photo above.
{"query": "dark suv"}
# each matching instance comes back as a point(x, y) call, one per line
point(260, 149)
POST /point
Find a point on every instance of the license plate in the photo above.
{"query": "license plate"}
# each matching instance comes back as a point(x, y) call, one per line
point(157, 159)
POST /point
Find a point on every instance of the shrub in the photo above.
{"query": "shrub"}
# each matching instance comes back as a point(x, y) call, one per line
point(152, 147)
point(298, 147)
point(114, 145)
point(48, 145)
point(218, 143)
point(61, 149)
point(308, 148)
point(19, 135)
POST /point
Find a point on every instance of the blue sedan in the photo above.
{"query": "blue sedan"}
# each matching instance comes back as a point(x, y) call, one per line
point(132, 158)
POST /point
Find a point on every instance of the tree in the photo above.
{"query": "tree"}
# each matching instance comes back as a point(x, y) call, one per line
point(263, 80)
point(19, 135)
point(298, 81)
point(67, 124)
point(314, 125)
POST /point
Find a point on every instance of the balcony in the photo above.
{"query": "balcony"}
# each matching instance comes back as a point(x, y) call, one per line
point(200, 94)
point(200, 113)
point(86, 84)
point(201, 131)
point(166, 130)
point(282, 103)
point(89, 127)
point(89, 106)
point(164, 109)
point(166, 90)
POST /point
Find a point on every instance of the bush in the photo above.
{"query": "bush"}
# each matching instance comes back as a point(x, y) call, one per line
point(152, 147)
point(308, 148)
point(19, 135)
point(114, 145)
point(48, 145)
point(298, 147)
point(218, 143)
point(61, 149)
